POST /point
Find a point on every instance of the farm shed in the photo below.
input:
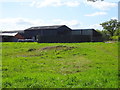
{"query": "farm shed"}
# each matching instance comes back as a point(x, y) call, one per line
point(70, 36)
point(11, 37)
point(85, 35)
point(53, 34)
point(62, 34)
point(56, 33)
point(20, 32)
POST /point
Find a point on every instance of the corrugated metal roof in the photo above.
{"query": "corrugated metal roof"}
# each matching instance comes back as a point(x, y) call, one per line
point(46, 27)
point(81, 29)
point(16, 31)
point(8, 34)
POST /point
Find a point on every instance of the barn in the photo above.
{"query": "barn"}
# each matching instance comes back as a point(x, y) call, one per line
point(85, 35)
point(49, 34)
point(72, 36)
point(62, 34)
point(10, 37)
point(53, 34)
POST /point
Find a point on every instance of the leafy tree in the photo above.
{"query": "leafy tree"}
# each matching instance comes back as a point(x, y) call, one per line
point(117, 32)
point(111, 26)
point(105, 35)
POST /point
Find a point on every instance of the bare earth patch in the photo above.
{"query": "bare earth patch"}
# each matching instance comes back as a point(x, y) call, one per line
point(32, 52)
point(60, 47)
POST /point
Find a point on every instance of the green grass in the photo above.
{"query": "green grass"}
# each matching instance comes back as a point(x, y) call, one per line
point(70, 65)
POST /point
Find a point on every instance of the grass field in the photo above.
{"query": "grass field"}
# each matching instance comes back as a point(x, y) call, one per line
point(59, 65)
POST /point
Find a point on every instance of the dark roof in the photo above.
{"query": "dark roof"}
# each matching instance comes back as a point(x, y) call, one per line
point(19, 31)
point(82, 29)
point(46, 27)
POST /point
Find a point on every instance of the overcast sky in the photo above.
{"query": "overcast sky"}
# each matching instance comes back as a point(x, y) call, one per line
point(22, 14)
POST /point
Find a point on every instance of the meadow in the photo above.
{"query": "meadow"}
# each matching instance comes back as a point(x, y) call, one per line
point(59, 65)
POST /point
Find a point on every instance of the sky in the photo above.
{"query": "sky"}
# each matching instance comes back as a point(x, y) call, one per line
point(76, 14)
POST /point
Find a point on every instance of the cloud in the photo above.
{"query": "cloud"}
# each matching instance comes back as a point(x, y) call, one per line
point(15, 23)
point(72, 3)
point(69, 23)
point(55, 3)
point(23, 23)
point(114, 18)
point(8, 24)
point(96, 14)
point(15, 0)
point(95, 26)
point(101, 5)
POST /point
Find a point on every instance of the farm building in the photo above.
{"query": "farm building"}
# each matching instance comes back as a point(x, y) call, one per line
point(59, 34)
point(10, 37)
point(62, 34)
point(85, 35)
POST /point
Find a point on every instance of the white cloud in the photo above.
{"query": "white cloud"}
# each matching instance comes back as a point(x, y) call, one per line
point(72, 3)
point(69, 23)
point(54, 3)
point(15, 0)
point(95, 26)
point(16, 23)
point(101, 5)
point(96, 14)
point(23, 23)
point(114, 18)
point(8, 24)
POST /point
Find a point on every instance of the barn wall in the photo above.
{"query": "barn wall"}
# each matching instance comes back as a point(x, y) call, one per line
point(86, 32)
point(77, 32)
point(97, 39)
point(53, 39)
point(0, 38)
point(72, 37)
point(64, 29)
point(51, 32)
point(31, 33)
point(64, 39)
point(95, 33)
point(80, 38)
point(9, 39)
point(59, 35)
point(82, 32)
point(19, 36)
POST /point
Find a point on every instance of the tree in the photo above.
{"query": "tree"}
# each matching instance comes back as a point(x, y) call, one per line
point(117, 32)
point(105, 35)
point(111, 26)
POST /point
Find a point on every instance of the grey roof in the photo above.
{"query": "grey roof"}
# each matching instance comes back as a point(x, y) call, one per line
point(19, 31)
point(46, 27)
point(81, 29)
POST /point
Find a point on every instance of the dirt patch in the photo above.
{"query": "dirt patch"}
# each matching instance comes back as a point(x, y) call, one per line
point(40, 51)
point(60, 47)
point(29, 50)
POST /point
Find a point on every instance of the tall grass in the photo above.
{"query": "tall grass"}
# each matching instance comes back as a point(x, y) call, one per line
point(72, 65)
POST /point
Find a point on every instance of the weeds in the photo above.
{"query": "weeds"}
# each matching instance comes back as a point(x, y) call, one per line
point(59, 65)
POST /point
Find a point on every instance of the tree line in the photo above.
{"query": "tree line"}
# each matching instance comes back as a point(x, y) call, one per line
point(111, 30)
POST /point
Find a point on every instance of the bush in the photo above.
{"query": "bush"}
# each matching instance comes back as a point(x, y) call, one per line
point(115, 38)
